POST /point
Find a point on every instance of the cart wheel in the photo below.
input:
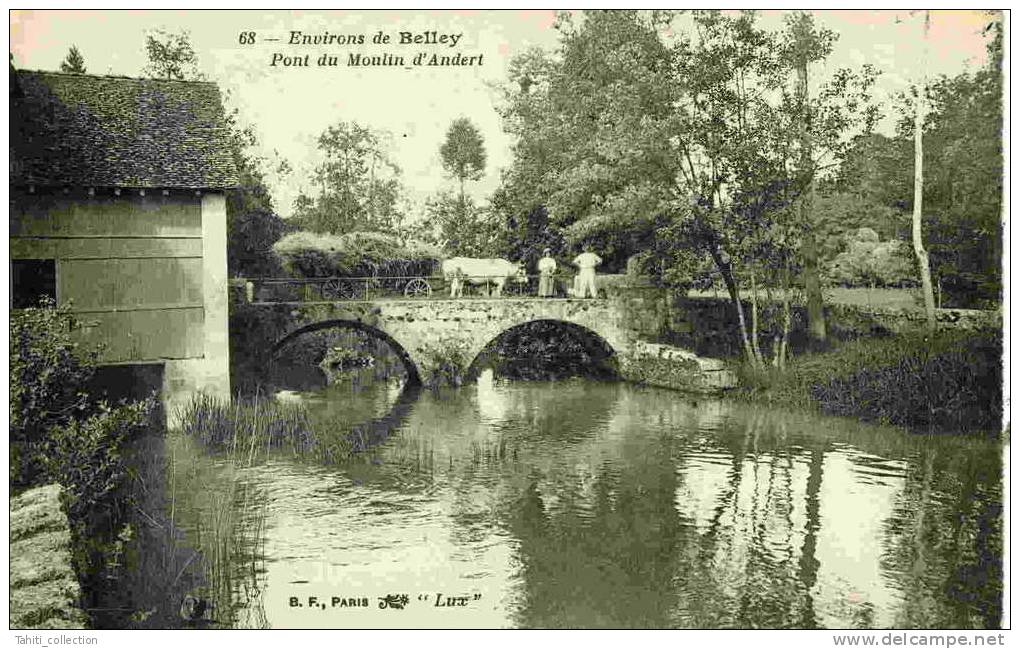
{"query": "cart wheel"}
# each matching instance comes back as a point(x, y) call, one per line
point(339, 289)
point(417, 287)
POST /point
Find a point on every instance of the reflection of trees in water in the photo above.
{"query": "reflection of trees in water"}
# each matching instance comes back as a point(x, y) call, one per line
point(610, 566)
point(944, 540)
point(588, 479)
point(634, 555)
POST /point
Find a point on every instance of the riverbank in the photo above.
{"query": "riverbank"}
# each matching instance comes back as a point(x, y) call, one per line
point(950, 381)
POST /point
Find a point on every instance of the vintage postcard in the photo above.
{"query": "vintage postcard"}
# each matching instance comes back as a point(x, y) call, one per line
point(508, 319)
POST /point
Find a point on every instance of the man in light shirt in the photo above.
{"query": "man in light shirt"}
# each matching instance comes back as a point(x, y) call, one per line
point(586, 263)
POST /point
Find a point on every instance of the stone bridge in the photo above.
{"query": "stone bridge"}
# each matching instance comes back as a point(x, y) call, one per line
point(425, 332)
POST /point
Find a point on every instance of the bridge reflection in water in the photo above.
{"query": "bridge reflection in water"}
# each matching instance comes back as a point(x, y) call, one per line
point(585, 504)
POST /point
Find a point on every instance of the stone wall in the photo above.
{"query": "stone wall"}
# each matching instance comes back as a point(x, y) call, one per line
point(709, 326)
point(44, 592)
point(903, 320)
point(629, 319)
point(424, 328)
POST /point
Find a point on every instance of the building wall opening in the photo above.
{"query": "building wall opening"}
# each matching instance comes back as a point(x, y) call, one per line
point(31, 281)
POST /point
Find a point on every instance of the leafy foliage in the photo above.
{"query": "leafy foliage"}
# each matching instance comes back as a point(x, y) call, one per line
point(949, 382)
point(690, 146)
point(963, 165)
point(447, 361)
point(463, 151)
point(84, 456)
point(253, 225)
point(359, 185)
point(464, 229)
point(963, 188)
point(74, 62)
point(954, 389)
point(49, 374)
point(866, 261)
point(170, 56)
point(60, 435)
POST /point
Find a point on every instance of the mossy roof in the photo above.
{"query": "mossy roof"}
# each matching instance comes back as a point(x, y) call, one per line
point(104, 131)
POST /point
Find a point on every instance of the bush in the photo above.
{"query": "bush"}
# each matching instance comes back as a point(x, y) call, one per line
point(446, 361)
point(870, 262)
point(85, 457)
point(60, 435)
point(950, 382)
point(958, 389)
point(49, 372)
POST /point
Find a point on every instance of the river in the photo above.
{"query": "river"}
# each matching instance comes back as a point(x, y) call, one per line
point(581, 503)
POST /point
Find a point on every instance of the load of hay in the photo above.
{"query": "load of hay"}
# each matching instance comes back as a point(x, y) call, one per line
point(356, 254)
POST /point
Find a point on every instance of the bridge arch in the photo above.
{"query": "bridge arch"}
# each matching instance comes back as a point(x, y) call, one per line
point(593, 342)
point(413, 373)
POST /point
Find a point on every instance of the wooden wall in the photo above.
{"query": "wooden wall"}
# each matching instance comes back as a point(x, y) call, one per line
point(130, 265)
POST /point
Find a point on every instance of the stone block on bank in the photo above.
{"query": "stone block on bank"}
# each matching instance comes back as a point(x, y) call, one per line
point(678, 369)
point(44, 591)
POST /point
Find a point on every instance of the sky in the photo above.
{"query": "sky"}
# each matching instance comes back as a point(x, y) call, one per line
point(290, 106)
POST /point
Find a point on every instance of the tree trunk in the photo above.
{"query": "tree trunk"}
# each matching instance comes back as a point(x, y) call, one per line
point(731, 286)
point(919, 251)
point(809, 247)
point(787, 289)
point(755, 347)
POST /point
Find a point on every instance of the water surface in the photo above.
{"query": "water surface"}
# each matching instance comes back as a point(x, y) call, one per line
point(591, 504)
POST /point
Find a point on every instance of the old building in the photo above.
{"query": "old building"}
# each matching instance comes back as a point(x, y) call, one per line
point(118, 208)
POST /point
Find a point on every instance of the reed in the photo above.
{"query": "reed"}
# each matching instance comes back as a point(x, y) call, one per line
point(248, 430)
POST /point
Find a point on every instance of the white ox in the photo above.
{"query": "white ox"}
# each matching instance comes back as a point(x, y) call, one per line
point(458, 270)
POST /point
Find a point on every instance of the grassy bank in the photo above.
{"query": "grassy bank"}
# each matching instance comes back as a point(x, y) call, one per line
point(947, 382)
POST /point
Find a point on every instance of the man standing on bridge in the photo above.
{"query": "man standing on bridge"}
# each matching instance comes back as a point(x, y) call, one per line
point(586, 263)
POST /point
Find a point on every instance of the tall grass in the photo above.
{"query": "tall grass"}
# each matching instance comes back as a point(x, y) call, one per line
point(195, 526)
point(215, 499)
point(245, 430)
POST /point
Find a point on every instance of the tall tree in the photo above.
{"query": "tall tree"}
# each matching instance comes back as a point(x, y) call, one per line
point(170, 55)
point(919, 251)
point(681, 145)
point(463, 156)
point(963, 172)
point(463, 152)
point(74, 62)
point(359, 187)
point(253, 225)
point(808, 44)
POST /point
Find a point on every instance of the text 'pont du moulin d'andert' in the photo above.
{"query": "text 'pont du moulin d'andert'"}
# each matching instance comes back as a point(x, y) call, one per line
point(403, 49)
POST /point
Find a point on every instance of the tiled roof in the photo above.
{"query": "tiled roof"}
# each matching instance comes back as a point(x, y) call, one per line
point(96, 131)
